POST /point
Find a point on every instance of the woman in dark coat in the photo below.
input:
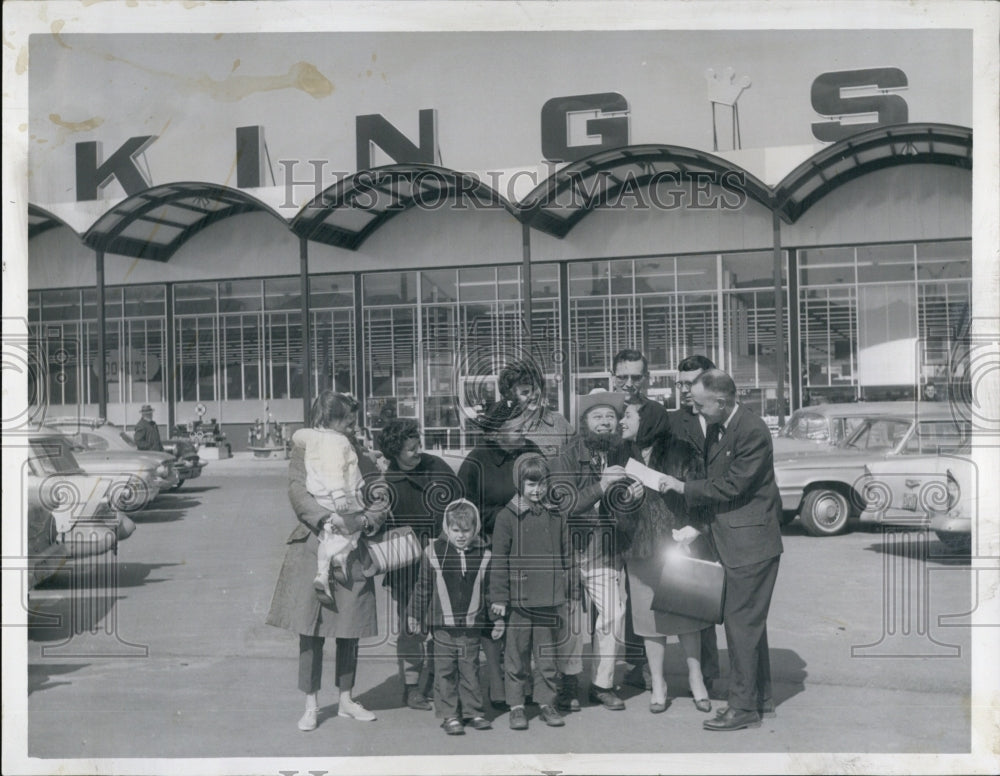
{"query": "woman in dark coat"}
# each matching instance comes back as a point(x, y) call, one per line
point(295, 607)
point(421, 485)
point(644, 534)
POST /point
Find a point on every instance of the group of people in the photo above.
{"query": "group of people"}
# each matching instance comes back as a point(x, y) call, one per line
point(540, 542)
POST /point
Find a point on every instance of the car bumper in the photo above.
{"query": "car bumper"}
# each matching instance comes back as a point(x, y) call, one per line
point(951, 523)
point(894, 517)
point(190, 471)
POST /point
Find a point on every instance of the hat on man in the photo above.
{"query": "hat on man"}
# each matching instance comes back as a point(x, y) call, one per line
point(145, 408)
point(600, 398)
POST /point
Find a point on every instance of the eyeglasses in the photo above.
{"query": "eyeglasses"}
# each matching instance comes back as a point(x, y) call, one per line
point(629, 378)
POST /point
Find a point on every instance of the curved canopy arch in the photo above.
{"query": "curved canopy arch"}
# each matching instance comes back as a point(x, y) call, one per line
point(866, 152)
point(157, 221)
point(41, 220)
point(558, 203)
point(347, 213)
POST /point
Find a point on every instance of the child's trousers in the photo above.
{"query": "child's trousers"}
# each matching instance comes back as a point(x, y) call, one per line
point(456, 673)
point(533, 635)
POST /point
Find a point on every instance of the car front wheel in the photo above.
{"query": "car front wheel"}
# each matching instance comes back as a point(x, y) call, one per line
point(825, 512)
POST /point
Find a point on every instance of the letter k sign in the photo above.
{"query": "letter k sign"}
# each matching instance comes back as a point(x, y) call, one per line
point(90, 177)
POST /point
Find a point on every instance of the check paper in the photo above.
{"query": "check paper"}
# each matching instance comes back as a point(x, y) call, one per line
point(639, 471)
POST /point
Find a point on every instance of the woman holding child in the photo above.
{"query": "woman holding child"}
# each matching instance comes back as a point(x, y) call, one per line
point(645, 534)
point(349, 613)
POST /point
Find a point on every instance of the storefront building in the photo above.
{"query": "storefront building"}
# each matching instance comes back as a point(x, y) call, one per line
point(841, 256)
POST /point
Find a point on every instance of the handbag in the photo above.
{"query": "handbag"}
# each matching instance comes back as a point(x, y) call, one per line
point(391, 550)
point(690, 586)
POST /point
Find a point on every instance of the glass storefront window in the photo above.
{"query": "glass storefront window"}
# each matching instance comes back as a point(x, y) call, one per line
point(195, 298)
point(588, 278)
point(326, 291)
point(477, 284)
point(696, 273)
point(944, 260)
point(145, 301)
point(826, 266)
point(509, 283)
point(239, 296)
point(544, 281)
point(621, 277)
point(438, 286)
point(282, 294)
point(60, 305)
point(754, 269)
point(112, 303)
point(885, 263)
point(388, 288)
point(655, 276)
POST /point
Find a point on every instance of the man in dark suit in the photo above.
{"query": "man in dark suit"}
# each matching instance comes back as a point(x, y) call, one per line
point(147, 434)
point(746, 506)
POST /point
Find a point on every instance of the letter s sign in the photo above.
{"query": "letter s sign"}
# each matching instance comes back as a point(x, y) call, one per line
point(612, 130)
point(828, 100)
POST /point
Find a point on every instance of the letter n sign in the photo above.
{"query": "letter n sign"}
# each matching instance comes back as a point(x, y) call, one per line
point(373, 129)
point(91, 176)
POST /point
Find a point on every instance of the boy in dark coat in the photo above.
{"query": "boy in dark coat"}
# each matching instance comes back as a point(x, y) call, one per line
point(450, 600)
point(529, 584)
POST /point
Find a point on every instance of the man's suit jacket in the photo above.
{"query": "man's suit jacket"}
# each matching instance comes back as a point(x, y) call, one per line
point(741, 491)
point(685, 425)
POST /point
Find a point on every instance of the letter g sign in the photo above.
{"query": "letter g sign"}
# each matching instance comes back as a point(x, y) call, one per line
point(558, 112)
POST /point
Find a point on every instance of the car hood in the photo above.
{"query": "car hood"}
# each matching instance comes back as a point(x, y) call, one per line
point(110, 460)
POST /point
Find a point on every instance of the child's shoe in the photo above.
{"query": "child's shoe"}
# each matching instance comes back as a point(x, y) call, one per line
point(518, 718)
point(341, 576)
point(307, 721)
point(551, 717)
point(322, 587)
point(567, 699)
point(351, 708)
point(414, 699)
point(453, 726)
point(480, 723)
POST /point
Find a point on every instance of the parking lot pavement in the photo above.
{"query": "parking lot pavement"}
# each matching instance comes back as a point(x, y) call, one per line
point(175, 660)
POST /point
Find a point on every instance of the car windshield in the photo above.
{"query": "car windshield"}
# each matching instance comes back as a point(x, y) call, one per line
point(806, 425)
point(53, 455)
point(128, 440)
point(877, 434)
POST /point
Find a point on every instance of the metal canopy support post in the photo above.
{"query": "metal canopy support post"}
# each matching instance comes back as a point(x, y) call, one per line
point(526, 284)
point(306, 335)
point(779, 332)
point(169, 368)
point(99, 367)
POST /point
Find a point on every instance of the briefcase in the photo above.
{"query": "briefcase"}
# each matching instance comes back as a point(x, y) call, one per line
point(690, 587)
point(391, 550)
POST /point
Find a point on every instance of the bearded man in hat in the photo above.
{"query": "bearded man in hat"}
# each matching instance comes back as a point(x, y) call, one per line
point(147, 434)
point(581, 477)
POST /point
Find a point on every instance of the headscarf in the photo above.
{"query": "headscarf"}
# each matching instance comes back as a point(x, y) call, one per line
point(653, 423)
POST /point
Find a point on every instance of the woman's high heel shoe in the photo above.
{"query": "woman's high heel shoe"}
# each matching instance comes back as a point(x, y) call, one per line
point(658, 707)
point(703, 704)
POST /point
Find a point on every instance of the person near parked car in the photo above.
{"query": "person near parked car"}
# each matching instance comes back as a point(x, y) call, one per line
point(745, 507)
point(295, 607)
point(421, 485)
point(147, 433)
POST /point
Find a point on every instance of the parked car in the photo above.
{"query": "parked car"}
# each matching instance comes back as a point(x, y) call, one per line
point(69, 513)
point(954, 527)
point(134, 478)
point(186, 460)
point(94, 435)
point(823, 486)
point(831, 424)
point(907, 490)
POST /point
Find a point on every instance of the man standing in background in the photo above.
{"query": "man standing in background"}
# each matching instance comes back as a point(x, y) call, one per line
point(147, 434)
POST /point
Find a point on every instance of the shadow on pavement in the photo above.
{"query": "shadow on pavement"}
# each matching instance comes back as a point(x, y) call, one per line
point(40, 675)
point(936, 551)
point(128, 575)
point(156, 514)
point(189, 489)
point(59, 619)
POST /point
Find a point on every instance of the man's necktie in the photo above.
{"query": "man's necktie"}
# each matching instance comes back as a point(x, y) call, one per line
point(712, 435)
